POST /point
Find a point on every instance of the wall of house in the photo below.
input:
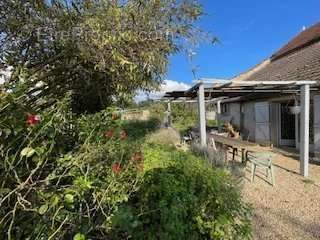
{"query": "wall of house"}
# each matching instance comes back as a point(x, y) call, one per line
point(247, 120)
point(262, 122)
point(234, 111)
point(316, 104)
point(243, 115)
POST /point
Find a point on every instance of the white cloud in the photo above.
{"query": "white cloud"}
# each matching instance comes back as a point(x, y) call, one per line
point(166, 86)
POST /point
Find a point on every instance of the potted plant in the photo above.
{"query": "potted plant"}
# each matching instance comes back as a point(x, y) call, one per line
point(295, 109)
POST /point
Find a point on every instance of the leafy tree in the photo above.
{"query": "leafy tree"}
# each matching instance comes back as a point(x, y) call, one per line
point(102, 50)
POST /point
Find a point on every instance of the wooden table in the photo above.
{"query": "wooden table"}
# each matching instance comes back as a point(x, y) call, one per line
point(244, 146)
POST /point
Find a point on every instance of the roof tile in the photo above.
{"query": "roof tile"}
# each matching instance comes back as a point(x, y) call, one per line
point(297, 60)
point(304, 38)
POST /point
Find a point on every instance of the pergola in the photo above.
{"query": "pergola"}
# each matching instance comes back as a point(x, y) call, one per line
point(216, 90)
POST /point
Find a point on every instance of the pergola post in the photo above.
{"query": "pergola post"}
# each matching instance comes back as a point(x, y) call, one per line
point(219, 106)
point(304, 129)
point(169, 114)
point(218, 114)
point(202, 115)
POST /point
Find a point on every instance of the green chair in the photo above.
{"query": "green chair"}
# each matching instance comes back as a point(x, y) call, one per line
point(262, 160)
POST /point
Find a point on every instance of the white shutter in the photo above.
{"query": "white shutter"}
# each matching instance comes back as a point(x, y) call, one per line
point(262, 117)
point(316, 104)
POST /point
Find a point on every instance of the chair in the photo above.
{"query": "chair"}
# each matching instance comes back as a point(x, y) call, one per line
point(213, 144)
point(262, 160)
point(187, 138)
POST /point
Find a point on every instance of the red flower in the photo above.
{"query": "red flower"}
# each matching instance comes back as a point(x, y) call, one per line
point(123, 135)
point(32, 120)
point(137, 157)
point(108, 134)
point(116, 168)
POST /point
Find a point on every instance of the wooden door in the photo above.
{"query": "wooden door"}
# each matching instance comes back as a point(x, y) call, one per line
point(262, 117)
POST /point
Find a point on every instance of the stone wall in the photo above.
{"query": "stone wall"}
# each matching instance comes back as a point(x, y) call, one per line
point(141, 115)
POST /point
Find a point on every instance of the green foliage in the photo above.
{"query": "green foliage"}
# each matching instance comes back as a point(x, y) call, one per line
point(65, 176)
point(182, 197)
point(62, 177)
point(101, 50)
point(140, 129)
point(212, 123)
point(157, 109)
point(184, 116)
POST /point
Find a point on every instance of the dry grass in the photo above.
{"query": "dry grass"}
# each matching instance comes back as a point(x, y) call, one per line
point(164, 136)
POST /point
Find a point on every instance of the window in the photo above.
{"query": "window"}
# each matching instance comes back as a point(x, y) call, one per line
point(224, 108)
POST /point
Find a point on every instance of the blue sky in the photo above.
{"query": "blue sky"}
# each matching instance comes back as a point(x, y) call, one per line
point(249, 31)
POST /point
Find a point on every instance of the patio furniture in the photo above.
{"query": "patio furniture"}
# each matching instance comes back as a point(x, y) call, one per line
point(187, 138)
point(238, 144)
point(244, 136)
point(262, 160)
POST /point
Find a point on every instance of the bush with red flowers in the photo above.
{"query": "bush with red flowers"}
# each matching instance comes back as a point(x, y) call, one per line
point(32, 120)
point(116, 168)
point(108, 134)
point(63, 175)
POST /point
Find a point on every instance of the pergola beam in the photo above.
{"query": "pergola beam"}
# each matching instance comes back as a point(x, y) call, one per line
point(213, 100)
point(266, 83)
point(250, 90)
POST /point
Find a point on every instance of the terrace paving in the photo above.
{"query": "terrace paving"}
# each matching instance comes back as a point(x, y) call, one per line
point(290, 209)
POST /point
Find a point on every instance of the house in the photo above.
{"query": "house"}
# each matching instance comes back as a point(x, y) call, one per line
point(277, 102)
point(270, 120)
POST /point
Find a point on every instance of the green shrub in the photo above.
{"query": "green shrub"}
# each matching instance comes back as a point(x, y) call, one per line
point(62, 176)
point(182, 197)
point(183, 116)
point(212, 123)
point(140, 129)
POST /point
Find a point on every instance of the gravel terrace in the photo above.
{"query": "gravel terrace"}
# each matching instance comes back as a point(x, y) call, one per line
point(290, 209)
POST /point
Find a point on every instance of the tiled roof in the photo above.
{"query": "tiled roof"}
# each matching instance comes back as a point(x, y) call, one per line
point(293, 62)
point(305, 38)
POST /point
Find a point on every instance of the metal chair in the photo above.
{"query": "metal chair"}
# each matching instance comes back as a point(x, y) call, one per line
point(187, 138)
point(262, 160)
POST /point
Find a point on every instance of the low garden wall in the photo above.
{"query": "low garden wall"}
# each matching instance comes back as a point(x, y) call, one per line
point(141, 115)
